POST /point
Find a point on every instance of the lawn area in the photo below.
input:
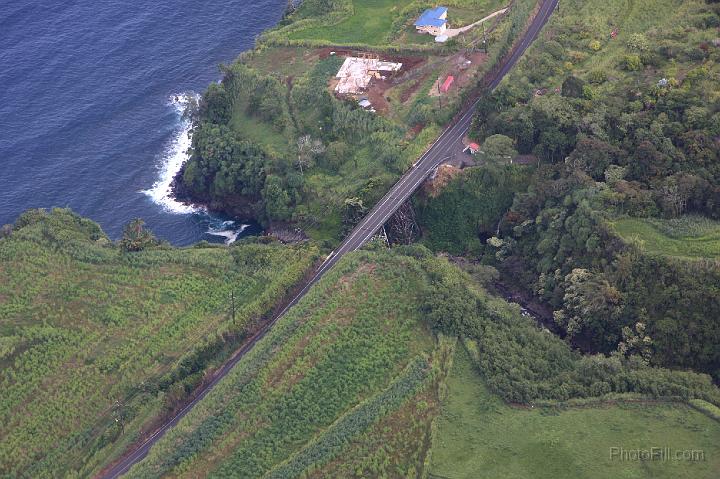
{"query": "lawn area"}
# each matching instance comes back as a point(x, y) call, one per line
point(95, 342)
point(687, 237)
point(369, 24)
point(479, 436)
point(372, 21)
point(351, 355)
point(283, 61)
point(254, 129)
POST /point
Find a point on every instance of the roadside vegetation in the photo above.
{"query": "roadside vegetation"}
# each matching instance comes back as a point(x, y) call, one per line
point(352, 355)
point(351, 381)
point(96, 343)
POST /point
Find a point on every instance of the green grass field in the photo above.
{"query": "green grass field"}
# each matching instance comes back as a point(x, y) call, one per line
point(479, 436)
point(284, 61)
point(370, 24)
point(92, 340)
point(688, 237)
point(343, 363)
point(257, 131)
point(372, 21)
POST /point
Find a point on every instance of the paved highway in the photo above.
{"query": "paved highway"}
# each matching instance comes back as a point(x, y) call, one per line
point(445, 146)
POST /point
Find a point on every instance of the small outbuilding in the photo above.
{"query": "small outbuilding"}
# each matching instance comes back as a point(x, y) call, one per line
point(472, 148)
point(365, 103)
point(433, 21)
point(445, 87)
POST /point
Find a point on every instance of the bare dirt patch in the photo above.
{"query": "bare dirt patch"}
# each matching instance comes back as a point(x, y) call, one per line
point(464, 68)
point(376, 92)
point(444, 175)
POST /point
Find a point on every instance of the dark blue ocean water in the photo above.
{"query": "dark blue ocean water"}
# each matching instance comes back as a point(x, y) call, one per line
point(88, 117)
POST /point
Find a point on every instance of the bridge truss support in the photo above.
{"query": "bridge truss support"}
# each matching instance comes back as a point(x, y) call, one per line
point(402, 227)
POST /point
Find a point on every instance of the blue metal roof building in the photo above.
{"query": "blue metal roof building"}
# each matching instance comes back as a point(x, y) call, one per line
point(432, 17)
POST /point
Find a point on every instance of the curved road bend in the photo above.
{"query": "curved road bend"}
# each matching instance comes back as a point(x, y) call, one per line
point(445, 146)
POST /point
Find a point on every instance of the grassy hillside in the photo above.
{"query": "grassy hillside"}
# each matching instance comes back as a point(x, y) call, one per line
point(377, 22)
point(479, 436)
point(352, 357)
point(94, 342)
point(348, 384)
point(688, 237)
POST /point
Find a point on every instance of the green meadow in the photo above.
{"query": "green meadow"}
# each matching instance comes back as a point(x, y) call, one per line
point(687, 237)
point(480, 436)
point(383, 22)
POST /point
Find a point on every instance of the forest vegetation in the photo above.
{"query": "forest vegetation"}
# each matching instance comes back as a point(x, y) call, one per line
point(272, 142)
point(615, 230)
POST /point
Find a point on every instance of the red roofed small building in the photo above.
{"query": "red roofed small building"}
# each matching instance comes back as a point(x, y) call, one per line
point(472, 148)
point(447, 84)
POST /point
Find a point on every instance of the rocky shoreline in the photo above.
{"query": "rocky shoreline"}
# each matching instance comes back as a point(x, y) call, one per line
point(239, 209)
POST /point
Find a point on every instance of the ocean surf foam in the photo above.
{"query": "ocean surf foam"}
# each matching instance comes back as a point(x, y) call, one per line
point(174, 156)
point(227, 230)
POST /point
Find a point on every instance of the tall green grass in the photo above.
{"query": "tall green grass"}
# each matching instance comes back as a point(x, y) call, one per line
point(479, 436)
point(353, 350)
point(95, 342)
point(686, 237)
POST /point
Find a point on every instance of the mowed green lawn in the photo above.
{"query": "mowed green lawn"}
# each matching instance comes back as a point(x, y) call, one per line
point(369, 24)
point(372, 20)
point(688, 237)
point(254, 129)
point(479, 436)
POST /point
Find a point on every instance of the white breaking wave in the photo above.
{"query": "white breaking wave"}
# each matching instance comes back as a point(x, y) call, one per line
point(225, 230)
point(175, 155)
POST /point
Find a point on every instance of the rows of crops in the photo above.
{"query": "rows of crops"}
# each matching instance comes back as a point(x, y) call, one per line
point(94, 342)
point(348, 356)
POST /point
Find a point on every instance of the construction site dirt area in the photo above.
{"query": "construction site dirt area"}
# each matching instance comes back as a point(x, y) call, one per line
point(462, 67)
point(444, 175)
point(382, 75)
point(368, 76)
